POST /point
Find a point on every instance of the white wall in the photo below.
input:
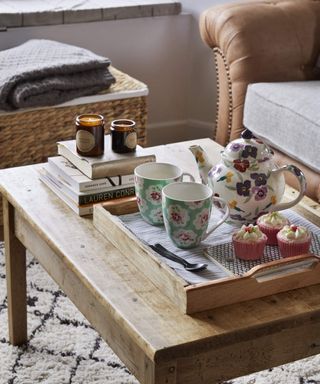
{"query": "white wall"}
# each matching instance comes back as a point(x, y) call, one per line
point(164, 52)
point(202, 92)
point(195, 7)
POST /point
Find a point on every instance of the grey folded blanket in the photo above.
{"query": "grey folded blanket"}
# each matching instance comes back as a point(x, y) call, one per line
point(45, 72)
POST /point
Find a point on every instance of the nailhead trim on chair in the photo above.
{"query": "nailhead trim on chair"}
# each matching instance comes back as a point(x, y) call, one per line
point(217, 52)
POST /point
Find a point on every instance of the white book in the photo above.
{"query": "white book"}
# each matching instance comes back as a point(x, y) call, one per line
point(80, 210)
point(109, 164)
point(92, 196)
point(65, 171)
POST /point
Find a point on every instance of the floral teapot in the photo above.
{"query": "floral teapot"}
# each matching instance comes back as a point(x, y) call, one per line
point(247, 178)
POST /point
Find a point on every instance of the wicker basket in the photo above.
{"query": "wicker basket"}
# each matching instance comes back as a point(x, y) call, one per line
point(30, 136)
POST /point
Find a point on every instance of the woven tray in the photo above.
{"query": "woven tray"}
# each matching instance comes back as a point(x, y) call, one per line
point(29, 136)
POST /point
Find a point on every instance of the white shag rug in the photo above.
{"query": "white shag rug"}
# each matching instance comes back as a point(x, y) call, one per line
point(64, 349)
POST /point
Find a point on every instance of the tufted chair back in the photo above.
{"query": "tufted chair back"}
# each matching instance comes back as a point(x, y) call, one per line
point(258, 41)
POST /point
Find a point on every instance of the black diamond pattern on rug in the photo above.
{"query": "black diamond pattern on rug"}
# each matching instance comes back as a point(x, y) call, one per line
point(64, 349)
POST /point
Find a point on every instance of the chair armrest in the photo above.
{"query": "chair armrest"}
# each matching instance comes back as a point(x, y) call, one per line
point(258, 41)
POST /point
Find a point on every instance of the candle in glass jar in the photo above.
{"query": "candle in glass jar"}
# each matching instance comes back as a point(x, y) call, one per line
point(90, 135)
point(123, 135)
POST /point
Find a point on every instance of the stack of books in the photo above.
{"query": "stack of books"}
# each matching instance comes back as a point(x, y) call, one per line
point(82, 182)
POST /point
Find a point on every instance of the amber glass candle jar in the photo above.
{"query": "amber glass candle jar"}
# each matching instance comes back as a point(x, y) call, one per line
point(123, 135)
point(90, 135)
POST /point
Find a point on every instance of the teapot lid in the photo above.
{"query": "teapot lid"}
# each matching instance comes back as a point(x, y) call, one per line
point(249, 148)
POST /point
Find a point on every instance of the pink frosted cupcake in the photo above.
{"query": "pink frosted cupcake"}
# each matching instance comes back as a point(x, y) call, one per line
point(270, 224)
point(249, 242)
point(293, 240)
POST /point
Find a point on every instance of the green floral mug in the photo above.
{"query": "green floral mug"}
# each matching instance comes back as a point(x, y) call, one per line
point(149, 179)
point(187, 209)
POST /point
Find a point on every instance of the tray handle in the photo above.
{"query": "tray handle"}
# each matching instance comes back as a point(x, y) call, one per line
point(122, 205)
point(284, 267)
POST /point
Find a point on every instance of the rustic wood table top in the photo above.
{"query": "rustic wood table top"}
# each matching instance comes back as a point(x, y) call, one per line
point(154, 339)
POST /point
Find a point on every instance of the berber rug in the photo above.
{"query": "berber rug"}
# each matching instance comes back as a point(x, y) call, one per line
point(64, 349)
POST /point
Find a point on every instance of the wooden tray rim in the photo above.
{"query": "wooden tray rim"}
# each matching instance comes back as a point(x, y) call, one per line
point(188, 297)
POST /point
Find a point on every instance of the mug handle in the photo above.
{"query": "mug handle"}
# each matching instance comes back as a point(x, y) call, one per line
point(223, 207)
point(302, 184)
point(188, 174)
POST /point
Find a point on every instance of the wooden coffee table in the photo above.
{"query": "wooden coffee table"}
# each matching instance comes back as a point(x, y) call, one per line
point(158, 343)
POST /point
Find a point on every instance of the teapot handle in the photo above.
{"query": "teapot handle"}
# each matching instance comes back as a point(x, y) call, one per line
point(302, 186)
point(223, 207)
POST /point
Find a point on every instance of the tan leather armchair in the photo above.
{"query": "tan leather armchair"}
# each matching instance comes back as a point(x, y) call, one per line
point(261, 41)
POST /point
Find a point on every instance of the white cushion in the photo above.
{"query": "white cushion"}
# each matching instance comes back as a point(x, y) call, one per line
point(287, 116)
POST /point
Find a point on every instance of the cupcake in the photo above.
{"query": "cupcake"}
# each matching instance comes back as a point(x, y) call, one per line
point(293, 240)
point(249, 242)
point(270, 224)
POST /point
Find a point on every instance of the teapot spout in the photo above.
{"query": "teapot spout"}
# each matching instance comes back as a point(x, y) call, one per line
point(203, 162)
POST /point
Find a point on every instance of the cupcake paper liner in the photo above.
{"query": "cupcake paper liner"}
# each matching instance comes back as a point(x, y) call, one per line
point(288, 249)
point(271, 232)
point(249, 251)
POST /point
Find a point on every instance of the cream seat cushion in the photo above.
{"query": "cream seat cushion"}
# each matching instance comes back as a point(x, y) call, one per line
point(287, 116)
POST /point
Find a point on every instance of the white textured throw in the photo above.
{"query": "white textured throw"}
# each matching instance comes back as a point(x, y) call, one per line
point(45, 72)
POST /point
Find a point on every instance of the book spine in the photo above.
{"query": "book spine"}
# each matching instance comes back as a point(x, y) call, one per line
point(108, 166)
point(107, 195)
point(122, 167)
point(86, 186)
point(86, 210)
point(115, 181)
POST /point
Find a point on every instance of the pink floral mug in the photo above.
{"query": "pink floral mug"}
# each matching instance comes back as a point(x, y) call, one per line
point(187, 209)
point(149, 179)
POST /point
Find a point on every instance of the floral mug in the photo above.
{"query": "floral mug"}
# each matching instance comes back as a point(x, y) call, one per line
point(187, 208)
point(149, 179)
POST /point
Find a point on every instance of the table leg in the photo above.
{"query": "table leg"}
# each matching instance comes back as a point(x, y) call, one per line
point(16, 278)
point(166, 374)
